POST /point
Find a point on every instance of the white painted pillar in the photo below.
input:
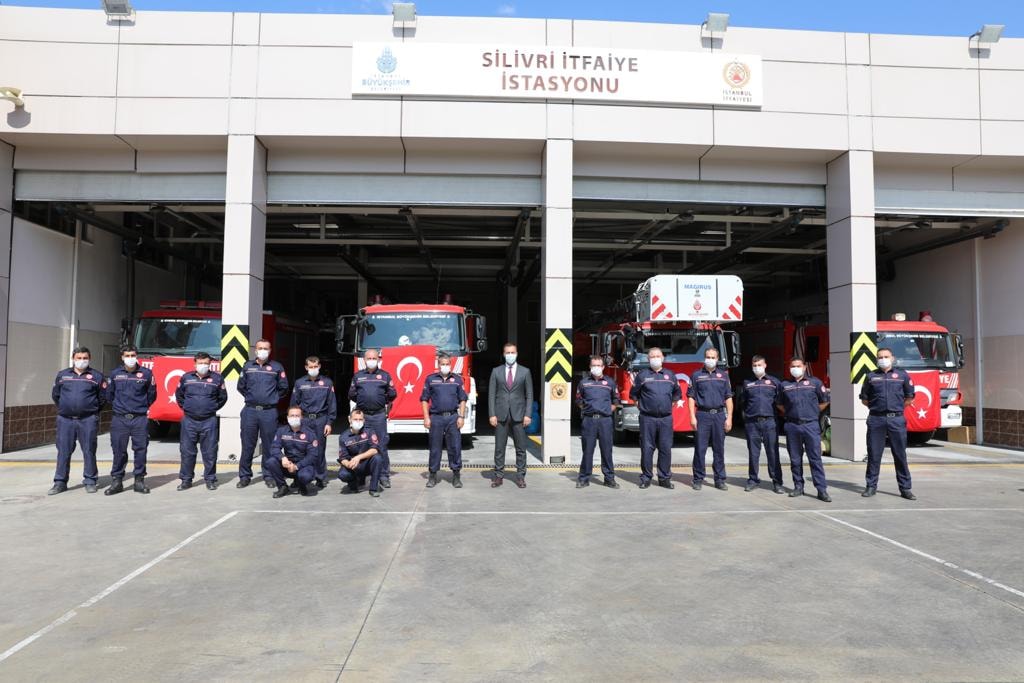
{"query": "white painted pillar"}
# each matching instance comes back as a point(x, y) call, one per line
point(556, 287)
point(852, 300)
point(245, 227)
point(6, 220)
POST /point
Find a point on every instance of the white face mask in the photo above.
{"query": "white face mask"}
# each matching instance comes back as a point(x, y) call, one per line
point(710, 363)
point(758, 371)
point(797, 372)
point(444, 369)
point(294, 422)
point(596, 370)
point(372, 363)
point(356, 427)
point(81, 364)
point(885, 363)
point(313, 372)
point(130, 362)
point(262, 354)
point(510, 358)
point(202, 368)
point(656, 363)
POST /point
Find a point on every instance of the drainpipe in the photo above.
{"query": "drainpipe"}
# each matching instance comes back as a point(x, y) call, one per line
point(73, 342)
point(979, 346)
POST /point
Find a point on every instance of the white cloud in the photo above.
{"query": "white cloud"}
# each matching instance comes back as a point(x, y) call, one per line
point(507, 10)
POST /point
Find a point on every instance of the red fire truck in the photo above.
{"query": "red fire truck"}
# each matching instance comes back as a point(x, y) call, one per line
point(928, 351)
point(681, 314)
point(409, 337)
point(168, 338)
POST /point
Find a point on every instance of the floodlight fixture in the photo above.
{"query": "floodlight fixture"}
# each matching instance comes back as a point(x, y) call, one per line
point(404, 12)
point(989, 33)
point(118, 9)
point(717, 22)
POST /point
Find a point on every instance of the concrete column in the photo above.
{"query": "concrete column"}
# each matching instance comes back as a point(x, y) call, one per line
point(6, 220)
point(852, 300)
point(556, 287)
point(245, 227)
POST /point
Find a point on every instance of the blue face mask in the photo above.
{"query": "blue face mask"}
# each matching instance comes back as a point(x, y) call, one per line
point(510, 358)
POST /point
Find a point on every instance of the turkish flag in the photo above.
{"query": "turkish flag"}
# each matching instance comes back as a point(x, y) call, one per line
point(924, 414)
point(167, 372)
point(409, 367)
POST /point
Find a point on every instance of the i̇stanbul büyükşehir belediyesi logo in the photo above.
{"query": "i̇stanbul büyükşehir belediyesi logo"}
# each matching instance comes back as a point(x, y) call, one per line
point(736, 74)
point(387, 61)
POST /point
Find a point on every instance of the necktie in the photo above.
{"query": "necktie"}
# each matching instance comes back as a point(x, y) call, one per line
point(508, 380)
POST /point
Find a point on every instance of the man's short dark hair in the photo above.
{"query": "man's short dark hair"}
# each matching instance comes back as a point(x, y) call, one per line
point(508, 344)
point(81, 349)
point(262, 341)
point(128, 348)
point(354, 412)
point(596, 357)
point(884, 348)
point(797, 358)
point(201, 355)
point(298, 408)
point(312, 359)
point(443, 355)
point(756, 357)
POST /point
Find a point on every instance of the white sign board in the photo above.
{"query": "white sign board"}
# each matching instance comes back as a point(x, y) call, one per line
point(691, 298)
point(560, 73)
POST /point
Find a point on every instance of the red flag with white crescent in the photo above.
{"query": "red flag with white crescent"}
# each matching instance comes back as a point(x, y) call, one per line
point(924, 414)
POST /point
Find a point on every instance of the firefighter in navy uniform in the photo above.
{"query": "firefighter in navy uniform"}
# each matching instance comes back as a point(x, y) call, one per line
point(315, 395)
point(359, 457)
point(294, 452)
point(373, 391)
point(78, 393)
point(444, 409)
point(262, 383)
point(760, 396)
point(801, 402)
point(131, 390)
point(200, 394)
point(655, 390)
point(710, 400)
point(597, 397)
point(886, 392)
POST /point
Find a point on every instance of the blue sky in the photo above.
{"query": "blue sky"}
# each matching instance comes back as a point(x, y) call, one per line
point(929, 17)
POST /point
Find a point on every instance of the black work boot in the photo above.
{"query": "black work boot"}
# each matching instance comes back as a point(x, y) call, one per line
point(282, 491)
point(116, 486)
point(457, 480)
point(58, 487)
point(431, 480)
point(140, 485)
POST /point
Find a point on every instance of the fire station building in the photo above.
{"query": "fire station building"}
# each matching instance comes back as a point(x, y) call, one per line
point(533, 170)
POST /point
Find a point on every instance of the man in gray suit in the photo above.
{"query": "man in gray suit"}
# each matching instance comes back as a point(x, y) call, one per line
point(509, 400)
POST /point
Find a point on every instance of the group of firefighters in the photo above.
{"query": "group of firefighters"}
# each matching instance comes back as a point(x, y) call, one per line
point(297, 450)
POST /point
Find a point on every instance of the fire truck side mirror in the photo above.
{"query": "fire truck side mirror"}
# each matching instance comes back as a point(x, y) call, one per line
point(958, 341)
point(339, 334)
point(480, 330)
point(732, 343)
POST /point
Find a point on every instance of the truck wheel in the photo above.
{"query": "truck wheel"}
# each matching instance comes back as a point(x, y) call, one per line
point(624, 437)
point(159, 430)
point(467, 442)
point(919, 438)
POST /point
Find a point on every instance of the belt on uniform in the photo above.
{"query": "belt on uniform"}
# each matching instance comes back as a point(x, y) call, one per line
point(760, 418)
point(711, 410)
point(78, 417)
point(128, 416)
point(258, 407)
point(445, 413)
point(372, 412)
point(800, 422)
point(595, 415)
point(198, 418)
point(312, 416)
point(878, 413)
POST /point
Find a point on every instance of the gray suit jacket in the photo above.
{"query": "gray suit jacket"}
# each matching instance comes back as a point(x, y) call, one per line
point(505, 403)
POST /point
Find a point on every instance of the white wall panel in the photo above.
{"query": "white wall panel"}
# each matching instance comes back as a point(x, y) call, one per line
point(769, 129)
point(927, 136)
point(1002, 95)
point(925, 93)
point(365, 118)
point(174, 71)
point(509, 121)
point(57, 25)
point(325, 29)
point(177, 116)
point(70, 70)
point(806, 88)
point(305, 72)
point(643, 124)
point(178, 28)
point(928, 51)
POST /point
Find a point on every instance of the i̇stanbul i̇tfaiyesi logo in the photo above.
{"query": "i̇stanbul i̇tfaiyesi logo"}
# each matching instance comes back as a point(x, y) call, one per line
point(736, 74)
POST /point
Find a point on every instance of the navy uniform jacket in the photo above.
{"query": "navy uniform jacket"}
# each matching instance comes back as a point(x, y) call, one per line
point(263, 385)
point(316, 396)
point(655, 392)
point(800, 398)
point(131, 391)
point(78, 395)
point(597, 396)
point(372, 391)
point(444, 393)
point(301, 447)
point(201, 397)
point(760, 396)
point(885, 391)
point(709, 388)
point(351, 445)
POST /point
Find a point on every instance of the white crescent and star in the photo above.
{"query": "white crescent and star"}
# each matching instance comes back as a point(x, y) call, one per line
point(419, 371)
point(167, 382)
point(923, 412)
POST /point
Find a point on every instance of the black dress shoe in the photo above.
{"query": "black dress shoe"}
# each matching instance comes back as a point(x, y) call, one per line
point(777, 488)
point(908, 494)
point(211, 486)
point(612, 484)
point(58, 487)
point(140, 485)
point(91, 488)
point(375, 492)
point(116, 486)
point(431, 480)
point(386, 482)
point(349, 488)
point(666, 484)
point(721, 486)
point(796, 492)
point(645, 484)
point(184, 485)
point(582, 483)
point(824, 497)
point(242, 483)
point(696, 486)
point(282, 491)
point(269, 482)
point(497, 481)
point(321, 484)
point(294, 486)
point(749, 487)
point(310, 490)
point(457, 480)
point(521, 482)
point(868, 492)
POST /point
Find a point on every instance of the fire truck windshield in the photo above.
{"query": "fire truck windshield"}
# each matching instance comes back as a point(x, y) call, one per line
point(917, 350)
point(441, 330)
point(679, 346)
point(178, 336)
